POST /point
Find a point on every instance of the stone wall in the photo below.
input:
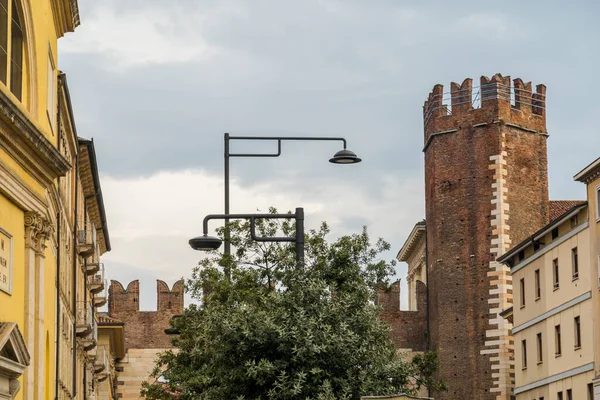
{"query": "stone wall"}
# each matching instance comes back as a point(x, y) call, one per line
point(136, 368)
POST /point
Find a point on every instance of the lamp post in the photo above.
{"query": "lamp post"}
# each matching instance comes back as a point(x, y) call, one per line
point(343, 156)
point(206, 242)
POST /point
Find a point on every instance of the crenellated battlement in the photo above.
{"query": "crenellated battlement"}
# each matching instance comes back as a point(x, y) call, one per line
point(127, 300)
point(145, 329)
point(495, 100)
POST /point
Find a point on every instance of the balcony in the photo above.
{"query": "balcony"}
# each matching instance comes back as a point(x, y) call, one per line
point(86, 240)
point(100, 298)
point(87, 329)
point(85, 319)
point(100, 360)
point(96, 282)
point(92, 262)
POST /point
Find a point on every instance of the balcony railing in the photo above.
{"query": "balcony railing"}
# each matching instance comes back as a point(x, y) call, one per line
point(100, 298)
point(86, 240)
point(87, 328)
point(100, 360)
point(97, 282)
point(85, 319)
point(92, 262)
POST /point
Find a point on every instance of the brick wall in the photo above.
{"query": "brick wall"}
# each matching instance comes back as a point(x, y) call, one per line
point(145, 329)
point(409, 328)
point(469, 152)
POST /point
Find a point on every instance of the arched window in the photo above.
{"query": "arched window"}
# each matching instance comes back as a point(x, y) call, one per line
point(11, 46)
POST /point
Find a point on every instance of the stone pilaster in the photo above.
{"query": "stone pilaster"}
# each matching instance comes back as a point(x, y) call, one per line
point(37, 232)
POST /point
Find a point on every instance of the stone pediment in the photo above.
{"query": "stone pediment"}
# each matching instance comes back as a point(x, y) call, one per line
point(14, 357)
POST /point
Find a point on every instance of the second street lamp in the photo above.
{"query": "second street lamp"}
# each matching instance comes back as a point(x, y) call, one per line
point(343, 156)
point(206, 242)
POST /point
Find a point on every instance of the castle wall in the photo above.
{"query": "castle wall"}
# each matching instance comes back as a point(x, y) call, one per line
point(486, 187)
point(143, 331)
point(408, 328)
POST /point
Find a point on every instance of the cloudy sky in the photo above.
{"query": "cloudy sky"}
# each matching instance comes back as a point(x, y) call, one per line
point(156, 83)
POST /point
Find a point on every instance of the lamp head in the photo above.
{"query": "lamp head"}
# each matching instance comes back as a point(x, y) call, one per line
point(344, 157)
point(204, 243)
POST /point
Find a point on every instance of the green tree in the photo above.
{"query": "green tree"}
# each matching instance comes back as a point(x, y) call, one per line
point(277, 330)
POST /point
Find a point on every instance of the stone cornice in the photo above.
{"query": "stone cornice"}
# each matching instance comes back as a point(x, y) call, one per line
point(66, 15)
point(415, 236)
point(589, 173)
point(27, 145)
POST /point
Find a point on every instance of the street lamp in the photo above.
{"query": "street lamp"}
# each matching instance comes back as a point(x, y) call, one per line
point(343, 156)
point(206, 242)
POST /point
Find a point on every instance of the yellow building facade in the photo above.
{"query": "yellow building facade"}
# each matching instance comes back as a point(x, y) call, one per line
point(555, 312)
point(52, 222)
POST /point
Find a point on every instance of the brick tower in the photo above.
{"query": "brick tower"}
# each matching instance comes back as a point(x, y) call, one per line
point(486, 187)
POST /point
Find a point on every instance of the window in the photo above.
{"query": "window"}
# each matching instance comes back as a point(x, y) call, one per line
point(555, 273)
point(557, 344)
point(521, 255)
point(52, 92)
point(574, 220)
point(524, 354)
point(559, 396)
point(536, 246)
point(569, 394)
point(11, 47)
point(522, 292)
point(598, 203)
point(554, 233)
point(538, 287)
point(540, 353)
point(577, 332)
point(590, 391)
point(575, 262)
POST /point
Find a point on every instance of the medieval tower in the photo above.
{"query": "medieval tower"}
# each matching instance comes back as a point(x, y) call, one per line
point(486, 188)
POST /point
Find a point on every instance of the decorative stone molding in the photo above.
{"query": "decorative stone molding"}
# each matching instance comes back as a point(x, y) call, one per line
point(16, 359)
point(37, 231)
point(28, 145)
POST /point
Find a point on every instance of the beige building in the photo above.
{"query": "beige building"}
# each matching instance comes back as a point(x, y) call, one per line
point(555, 303)
point(590, 176)
point(82, 236)
point(111, 347)
point(413, 253)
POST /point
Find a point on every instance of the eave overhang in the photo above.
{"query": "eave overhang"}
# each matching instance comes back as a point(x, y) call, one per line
point(589, 173)
point(28, 146)
point(90, 183)
point(539, 234)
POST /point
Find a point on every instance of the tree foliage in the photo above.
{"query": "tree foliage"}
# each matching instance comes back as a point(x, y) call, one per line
point(277, 330)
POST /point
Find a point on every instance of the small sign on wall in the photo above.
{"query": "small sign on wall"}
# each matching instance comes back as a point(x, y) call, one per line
point(6, 261)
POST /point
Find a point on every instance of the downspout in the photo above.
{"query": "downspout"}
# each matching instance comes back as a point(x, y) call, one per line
point(58, 317)
point(58, 217)
point(427, 343)
point(75, 228)
point(85, 371)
